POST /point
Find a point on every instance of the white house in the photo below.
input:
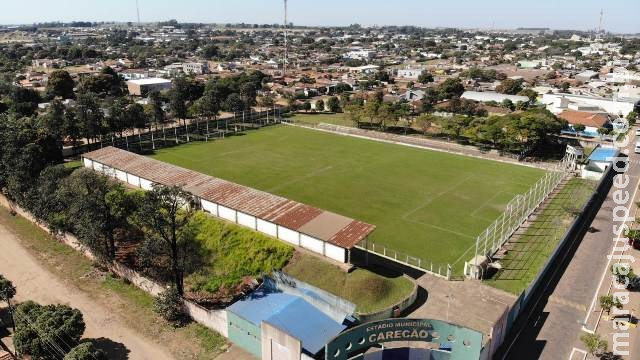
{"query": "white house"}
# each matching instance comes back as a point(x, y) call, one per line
point(557, 103)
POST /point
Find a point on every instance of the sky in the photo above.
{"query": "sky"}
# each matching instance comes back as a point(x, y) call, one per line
point(620, 16)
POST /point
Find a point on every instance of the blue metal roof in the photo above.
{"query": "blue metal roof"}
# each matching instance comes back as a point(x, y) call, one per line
point(291, 314)
point(601, 154)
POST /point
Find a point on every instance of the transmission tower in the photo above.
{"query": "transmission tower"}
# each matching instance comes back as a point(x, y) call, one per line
point(138, 11)
point(286, 44)
point(600, 25)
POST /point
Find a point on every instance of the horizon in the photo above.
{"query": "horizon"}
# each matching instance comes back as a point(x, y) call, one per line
point(467, 14)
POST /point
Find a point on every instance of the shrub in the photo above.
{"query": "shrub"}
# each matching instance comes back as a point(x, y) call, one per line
point(169, 305)
point(86, 351)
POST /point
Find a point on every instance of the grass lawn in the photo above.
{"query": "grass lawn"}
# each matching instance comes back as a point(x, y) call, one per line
point(315, 118)
point(368, 290)
point(232, 253)
point(536, 243)
point(425, 203)
point(192, 341)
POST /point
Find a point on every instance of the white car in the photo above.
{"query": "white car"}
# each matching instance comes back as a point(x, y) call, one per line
point(637, 131)
point(638, 147)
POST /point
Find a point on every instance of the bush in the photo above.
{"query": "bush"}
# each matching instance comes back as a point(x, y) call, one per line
point(86, 351)
point(169, 305)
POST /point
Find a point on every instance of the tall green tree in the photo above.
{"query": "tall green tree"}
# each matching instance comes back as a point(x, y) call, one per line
point(164, 213)
point(60, 84)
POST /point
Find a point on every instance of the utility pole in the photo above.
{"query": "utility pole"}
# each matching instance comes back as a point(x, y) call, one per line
point(286, 44)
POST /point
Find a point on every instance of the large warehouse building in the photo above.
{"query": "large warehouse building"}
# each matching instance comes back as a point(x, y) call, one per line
point(320, 231)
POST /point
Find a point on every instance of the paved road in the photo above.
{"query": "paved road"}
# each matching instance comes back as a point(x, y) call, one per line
point(555, 325)
point(34, 282)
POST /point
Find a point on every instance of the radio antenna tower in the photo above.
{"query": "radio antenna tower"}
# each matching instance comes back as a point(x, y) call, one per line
point(600, 25)
point(286, 44)
point(138, 11)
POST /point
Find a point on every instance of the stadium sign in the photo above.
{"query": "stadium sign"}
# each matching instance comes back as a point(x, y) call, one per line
point(464, 343)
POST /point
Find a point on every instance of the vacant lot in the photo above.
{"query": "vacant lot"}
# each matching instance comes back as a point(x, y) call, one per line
point(426, 203)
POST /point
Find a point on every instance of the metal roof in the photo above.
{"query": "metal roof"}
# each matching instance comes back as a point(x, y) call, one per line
point(324, 225)
point(290, 313)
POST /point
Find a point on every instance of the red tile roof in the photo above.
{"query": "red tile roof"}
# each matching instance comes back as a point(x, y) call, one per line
point(585, 118)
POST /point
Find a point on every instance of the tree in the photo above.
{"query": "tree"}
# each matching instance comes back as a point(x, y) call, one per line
point(509, 86)
point(164, 213)
point(333, 104)
point(354, 113)
point(89, 115)
point(7, 290)
point(105, 83)
point(632, 117)
point(604, 131)
point(425, 77)
point(53, 121)
point(607, 302)
point(565, 87)
point(60, 84)
point(168, 304)
point(320, 105)
point(579, 128)
point(38, 327)
point(86, 351)
point(594, 344)
point(508, 104)
point(306, 106)
point(530, 93)
point(234, 103)
point(451, 87)
point(425, 122)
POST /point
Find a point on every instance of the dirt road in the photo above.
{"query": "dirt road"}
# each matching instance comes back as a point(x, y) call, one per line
point(34, 282)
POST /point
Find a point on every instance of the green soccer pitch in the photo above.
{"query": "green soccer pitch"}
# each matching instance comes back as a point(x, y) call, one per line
point(427, 204)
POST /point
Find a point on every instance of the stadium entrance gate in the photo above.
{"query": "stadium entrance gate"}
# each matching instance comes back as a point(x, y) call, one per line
point(454, 342)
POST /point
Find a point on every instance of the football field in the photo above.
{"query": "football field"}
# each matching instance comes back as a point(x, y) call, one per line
point(424, 203)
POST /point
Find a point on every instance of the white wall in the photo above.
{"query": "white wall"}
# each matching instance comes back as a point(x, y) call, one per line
point(268, 228)
point(121, 175)
point(210, 207)
point(146, 184)
point(226, 213)
point(335, 252)
point(97, 166)
point(312, 244)
point(134, 180)
point(288, 235)
point(88, 163)
point(246, 220)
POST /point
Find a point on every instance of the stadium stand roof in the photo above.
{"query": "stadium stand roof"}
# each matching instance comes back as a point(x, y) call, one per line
point(320, 224)
point(291, 314)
